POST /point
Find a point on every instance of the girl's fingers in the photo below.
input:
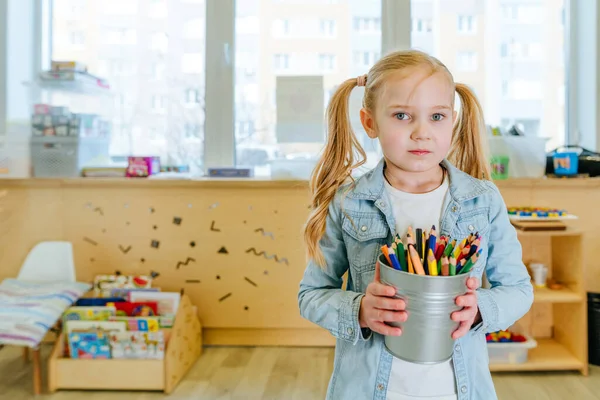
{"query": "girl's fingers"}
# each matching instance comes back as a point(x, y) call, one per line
point(384, 329)
point(380, 290)
point(377, 277)
point(464, 315)
point(389, 304)
point(462, 330)
point(389, 316)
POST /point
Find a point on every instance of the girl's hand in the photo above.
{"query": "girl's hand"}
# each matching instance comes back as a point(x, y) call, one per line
point(469, 315)
point(378, 307)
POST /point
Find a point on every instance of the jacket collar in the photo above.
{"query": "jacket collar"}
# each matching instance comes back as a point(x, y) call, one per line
point(463, 186)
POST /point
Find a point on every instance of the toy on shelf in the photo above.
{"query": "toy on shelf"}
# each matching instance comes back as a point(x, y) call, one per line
point(505, 336)
point(538, 213)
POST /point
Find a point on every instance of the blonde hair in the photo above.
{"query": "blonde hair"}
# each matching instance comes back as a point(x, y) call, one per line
point(339, 157)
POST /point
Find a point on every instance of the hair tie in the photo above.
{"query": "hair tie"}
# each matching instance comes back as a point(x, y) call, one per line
point(362, 80)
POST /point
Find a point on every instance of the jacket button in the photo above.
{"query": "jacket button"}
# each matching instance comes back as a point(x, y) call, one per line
point(463, 389)
point(380, 386)
point(457, 348)
point(363, 228)
point(350, 331)
point(454, 208)
point(471, 227)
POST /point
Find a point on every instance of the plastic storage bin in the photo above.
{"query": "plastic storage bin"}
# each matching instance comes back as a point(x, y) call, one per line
point(60, 157)
point(511, 353)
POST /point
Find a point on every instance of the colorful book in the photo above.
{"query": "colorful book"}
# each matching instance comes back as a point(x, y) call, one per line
point(136, 344)
point(103, 284)
point(93, 313)
point(92, 344)
point(142, 324)
point(167, 304)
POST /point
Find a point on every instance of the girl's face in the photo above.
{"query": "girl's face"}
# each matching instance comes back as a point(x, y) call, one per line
point(413, 119)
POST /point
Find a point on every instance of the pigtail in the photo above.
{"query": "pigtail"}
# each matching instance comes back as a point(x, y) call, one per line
point(333, 168)
point(468, 152)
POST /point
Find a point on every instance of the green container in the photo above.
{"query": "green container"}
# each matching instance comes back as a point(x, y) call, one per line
point(499, 167)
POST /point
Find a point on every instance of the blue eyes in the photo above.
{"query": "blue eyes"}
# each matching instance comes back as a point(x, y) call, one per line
point(437, 117)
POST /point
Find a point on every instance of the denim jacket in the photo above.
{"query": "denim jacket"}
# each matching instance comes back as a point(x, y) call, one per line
point(360, 221)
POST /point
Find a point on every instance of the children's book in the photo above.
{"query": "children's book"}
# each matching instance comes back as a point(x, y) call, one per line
point(124, 292)
point(92, 313)
point(142, 324)
point(136, 344)
point(103, 284)
point(93, 344)
point(168, 303)
point(136, 309)
point(84, 326)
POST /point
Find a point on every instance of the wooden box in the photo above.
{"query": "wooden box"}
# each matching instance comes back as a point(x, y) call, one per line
point(184, 346)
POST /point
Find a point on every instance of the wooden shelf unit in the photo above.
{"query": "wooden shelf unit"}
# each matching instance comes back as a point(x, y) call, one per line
point(183, 349)
point(558, 318)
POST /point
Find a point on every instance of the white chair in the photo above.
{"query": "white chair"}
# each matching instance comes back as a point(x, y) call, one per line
point(48, 262)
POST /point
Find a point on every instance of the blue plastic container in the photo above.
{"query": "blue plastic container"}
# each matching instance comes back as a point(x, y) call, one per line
point(566, 163)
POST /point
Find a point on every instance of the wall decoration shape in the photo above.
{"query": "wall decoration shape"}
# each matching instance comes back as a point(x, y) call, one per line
point(180, 263)
point(223, 250)
point(99, 210)
point(154, 244)
point(250, 281)
point(125, 250)
point(177, 220)
point(268, 257)
point(192, 281)
point(212, 227)
point(192, 244)
point(214, 205)
point(264, 233)
point(90, 241)
point(225, 297)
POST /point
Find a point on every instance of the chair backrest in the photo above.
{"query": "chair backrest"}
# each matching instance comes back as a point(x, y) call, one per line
point(49, 261)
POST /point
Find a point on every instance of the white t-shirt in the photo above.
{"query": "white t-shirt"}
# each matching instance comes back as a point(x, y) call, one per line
point(408, 380)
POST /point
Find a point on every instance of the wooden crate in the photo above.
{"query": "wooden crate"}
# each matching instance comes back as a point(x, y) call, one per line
point(183, 349)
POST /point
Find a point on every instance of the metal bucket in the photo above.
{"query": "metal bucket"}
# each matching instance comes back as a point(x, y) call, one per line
point(430, 300)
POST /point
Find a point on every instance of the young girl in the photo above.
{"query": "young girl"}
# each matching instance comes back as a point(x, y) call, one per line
point(433, 172)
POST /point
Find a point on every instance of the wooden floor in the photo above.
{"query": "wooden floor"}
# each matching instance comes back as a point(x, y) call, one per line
point(281, 373)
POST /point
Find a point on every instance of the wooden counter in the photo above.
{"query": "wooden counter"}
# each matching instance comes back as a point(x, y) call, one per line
point(233, 246)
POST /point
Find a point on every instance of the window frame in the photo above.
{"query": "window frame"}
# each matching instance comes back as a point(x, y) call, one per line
point(219, 135)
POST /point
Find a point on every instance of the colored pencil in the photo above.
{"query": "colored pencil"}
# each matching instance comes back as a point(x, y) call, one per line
point(445, 266)
point(459, 248)
point(401, 255)
point(432, 264)
point(395, 262)
point(416, 261)
point(419, 242)
point(472, 261)
point(452, 263)
point(409, 260)
point(384, 250)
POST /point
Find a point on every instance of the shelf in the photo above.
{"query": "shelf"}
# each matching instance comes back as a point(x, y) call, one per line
point(549, 355)
point(565, 295)
point(73, 87)
point(567, 232)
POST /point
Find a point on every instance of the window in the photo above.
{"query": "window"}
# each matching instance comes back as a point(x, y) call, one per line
point(466, 61)
point(281, 27)
point(367, 25)
point(507, 62)
point(192, 96)
point(279, 110)
point(77, 38)
point(421, 25)
point(327, 62)
point(155, 72)
point(466, 24)
point(281, 62)
point(327, 27)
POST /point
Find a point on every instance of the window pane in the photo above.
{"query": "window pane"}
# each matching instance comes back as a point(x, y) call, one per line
point(308, 48)
point(515, 63)
point(152, 54)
